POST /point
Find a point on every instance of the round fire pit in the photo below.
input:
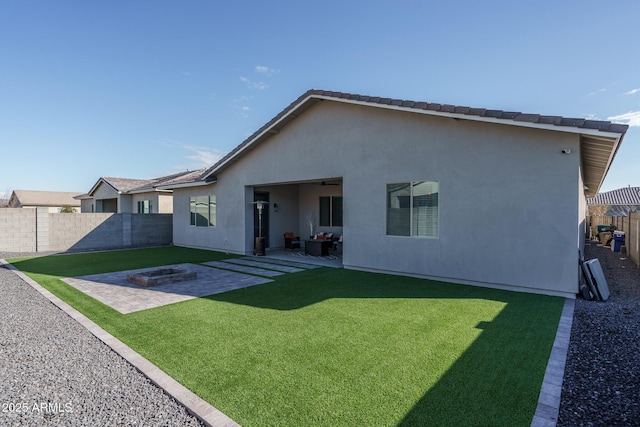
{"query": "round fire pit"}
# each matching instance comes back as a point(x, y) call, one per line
point(161, 276)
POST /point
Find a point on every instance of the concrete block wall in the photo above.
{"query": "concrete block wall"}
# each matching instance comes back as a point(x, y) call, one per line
point(36, 230)
point(151, 230)
point(85, 231)
point(42, 229)
point(17, 230)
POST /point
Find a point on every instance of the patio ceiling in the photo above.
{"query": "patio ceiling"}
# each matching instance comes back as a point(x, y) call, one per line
point(321, 182)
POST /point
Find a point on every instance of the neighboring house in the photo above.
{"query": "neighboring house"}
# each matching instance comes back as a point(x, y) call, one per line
point(615, 202)
point(122, 195)
point(53, 200)
point(457, 194)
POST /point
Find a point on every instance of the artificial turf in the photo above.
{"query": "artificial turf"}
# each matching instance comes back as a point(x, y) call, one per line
point(334, 347)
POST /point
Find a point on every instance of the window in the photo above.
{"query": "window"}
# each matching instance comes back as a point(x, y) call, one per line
point(325, 212)
point(412, 209)
point(330, 211)
point(144, 206)
point(202, 211)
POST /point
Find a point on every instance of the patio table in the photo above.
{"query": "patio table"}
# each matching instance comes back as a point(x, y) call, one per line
point(317, 247)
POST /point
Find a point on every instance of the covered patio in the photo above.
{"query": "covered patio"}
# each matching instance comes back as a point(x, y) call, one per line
point(332, 261)
point(303, 208)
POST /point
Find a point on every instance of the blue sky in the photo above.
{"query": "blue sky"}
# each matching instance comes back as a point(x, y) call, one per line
point(140, 89)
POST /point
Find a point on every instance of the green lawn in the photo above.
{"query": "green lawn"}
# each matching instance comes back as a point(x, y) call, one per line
point(330, 347)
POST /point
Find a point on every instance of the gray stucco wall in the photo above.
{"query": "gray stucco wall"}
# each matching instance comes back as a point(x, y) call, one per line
point(160, 202)
point(509, 199)
point(105, 199)
point(135, 198)
point(200, 237)
point(105, 191)
point(30, 230)
point(87, 206)
point(125, 204)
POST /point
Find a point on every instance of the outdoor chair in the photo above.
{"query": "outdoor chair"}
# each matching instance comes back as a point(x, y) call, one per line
point(291, 241)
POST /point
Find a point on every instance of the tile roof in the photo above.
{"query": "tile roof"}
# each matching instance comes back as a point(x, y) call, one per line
point(178, 178)
point(126, 185)
point(479, 112)
point(44, 198)
point(508, 117)
point(627, 196)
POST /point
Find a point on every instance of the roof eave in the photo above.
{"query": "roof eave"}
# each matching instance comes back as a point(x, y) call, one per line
point(611, 157)
point(472, 117)
point(313, 96)
point(594, 161)
point(97, 184)
point(145, 190)
point(186, 185)
point(248, 144)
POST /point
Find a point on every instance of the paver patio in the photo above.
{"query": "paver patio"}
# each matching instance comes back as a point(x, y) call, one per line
point(114, 290)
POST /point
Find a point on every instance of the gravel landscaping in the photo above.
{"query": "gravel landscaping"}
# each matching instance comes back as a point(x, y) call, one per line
point(602, 377)
point(54, 372)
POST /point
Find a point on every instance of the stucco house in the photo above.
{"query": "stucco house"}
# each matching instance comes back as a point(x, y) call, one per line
point(54, 201)
point(125, 195)
point(458, 194)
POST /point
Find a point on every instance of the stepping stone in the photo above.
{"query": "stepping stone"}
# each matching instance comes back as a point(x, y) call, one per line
point(283, 268)
point(285, 262)
point(243, 268)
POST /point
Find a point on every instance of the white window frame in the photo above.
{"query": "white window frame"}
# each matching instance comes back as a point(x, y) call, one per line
point(205, 207)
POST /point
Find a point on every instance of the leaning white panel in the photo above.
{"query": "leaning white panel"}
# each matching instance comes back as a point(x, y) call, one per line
point(598, 278)
point(590, 282)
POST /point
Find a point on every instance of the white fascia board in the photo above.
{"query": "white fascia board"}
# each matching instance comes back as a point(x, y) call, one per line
point(261, 134)
point(185, 185)
point(612, 154)
point(97, 184)
point(148, 190)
